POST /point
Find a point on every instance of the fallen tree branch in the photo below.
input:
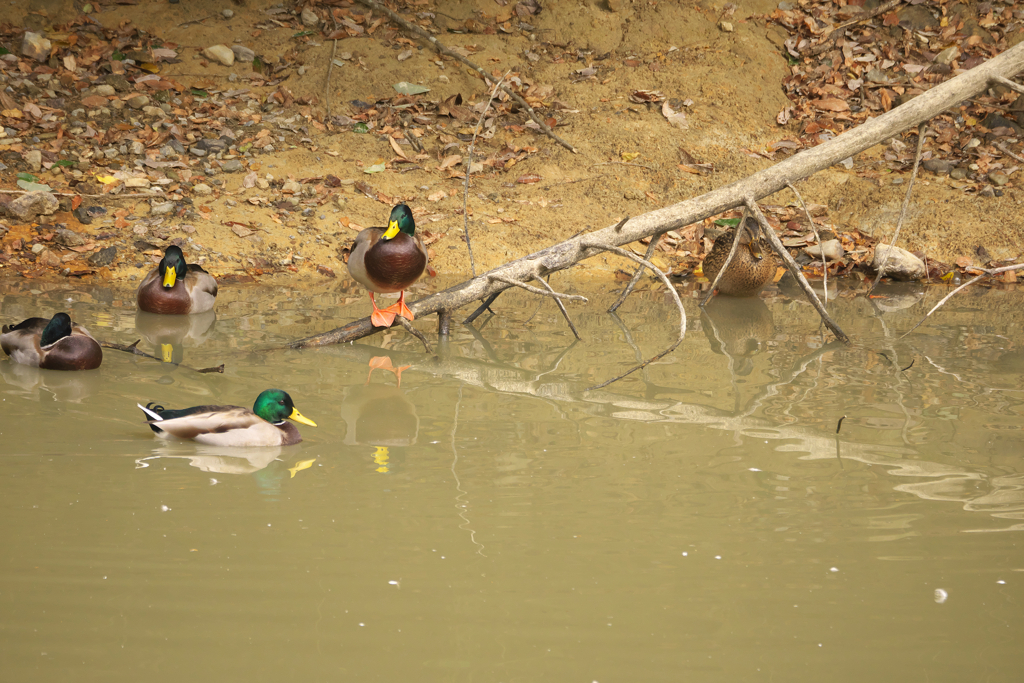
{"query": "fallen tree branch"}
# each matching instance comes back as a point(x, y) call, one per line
point(767, 229)
point(903, 209)
point(675, 297)
point(481, 308)
point(561, 307)
point(987, 273)
point(414, 332)
point(762, 184)
point(736, 237)
point(636, 275)
point(534, 290)
point(469, 171)
point(817, 238)
point(413, 28)
point(134, 350)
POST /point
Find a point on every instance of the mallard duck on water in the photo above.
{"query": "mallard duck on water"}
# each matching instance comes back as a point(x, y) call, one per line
point(388, 260)
point(54, 344)
point(175, 287)
point(752, 267)
point(264, 425)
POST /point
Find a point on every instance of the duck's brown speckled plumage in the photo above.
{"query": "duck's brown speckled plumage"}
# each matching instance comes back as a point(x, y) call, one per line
point(194, 290)
point(747, 273)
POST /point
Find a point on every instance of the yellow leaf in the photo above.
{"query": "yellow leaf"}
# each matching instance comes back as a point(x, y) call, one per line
point(629, 156)
point(106, 179)
point(948, 276)
point(301, 465)
point(149, 67)
point(971, 121)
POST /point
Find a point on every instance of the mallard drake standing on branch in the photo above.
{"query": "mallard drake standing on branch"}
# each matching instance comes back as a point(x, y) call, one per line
point(388, 260)
point(264, 425)
point(54, 344)
point(752, 267)
point(176, 287)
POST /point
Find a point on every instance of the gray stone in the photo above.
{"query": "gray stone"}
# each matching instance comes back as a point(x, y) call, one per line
point(832, 250)
point(68, 238)
point(202, 189)
point(220, 53)
point(995, 121)
point(153, 111)
point(947, 56)
point(103, 257)
point(35, 159)
point(35, 47)
point(138, 102)
point(309, 17)
point(119, 82)
point(998, 178)
point(876, 75)
point(138, 147)
point(32, 204)
point(176, 146)
point(227, 14)
point(958, 173)
point(901, 264)
point(110, 152)
point(988, 191)
point(161, 208)
point(198, 151)
point(243, 54)
point(104, 89)
point(292, 187)
point(232, 166)
point(38, 248)
point(938, 166)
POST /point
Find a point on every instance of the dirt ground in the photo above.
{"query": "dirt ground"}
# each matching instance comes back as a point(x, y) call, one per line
point(630, 159)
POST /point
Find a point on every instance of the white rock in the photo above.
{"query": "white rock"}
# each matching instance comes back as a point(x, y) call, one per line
point(832, 249)
point(901, 264)
point(136, 182)
point(220, 53)
point(202, 189)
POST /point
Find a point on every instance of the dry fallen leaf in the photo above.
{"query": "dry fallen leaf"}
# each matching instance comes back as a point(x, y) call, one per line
point(528, 179)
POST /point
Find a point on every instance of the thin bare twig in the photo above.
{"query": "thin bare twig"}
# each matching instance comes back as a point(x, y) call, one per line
point(330, 68)
point(839, 30)
point(1016, 87)
point(94, 196)
point(767, 229)
point(740, 227)
point(636, 275)
point(817, 237)
point(469, 169)
point(534, 290)
point(1002, 148)
point(414, 332)
point(561, 306)
point(987, 273)
point(481, 308)
point(672, 291)
point(903, 209)
point(134, 350)
point(459, 58)
point(620, 163)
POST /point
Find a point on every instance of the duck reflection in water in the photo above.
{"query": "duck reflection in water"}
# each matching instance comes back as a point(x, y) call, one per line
point(217, 459)
point(169, 334)
point(72, 387)
point(379, 416)
point(738, 328)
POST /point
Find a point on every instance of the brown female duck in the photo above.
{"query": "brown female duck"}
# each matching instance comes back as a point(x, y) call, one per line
point(752, 267)
point(54, 344)
point(176, 287)
point(388, 260)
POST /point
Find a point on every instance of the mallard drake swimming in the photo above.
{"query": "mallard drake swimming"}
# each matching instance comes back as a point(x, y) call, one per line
point(388, 260)
point(751, 268)
point(264, 425)
point(54, 344)
point(176, 287)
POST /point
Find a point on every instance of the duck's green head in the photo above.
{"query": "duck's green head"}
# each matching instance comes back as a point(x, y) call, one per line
point(275, 406)
point(400, 221)
point(55, 330)
point(172, 266)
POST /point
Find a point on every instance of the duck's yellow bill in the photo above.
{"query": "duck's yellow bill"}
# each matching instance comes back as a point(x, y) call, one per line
point(392, 230)
point(170, 275)
point(299, 417)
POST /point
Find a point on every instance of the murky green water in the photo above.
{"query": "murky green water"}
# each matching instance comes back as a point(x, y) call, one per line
point(492, 520)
